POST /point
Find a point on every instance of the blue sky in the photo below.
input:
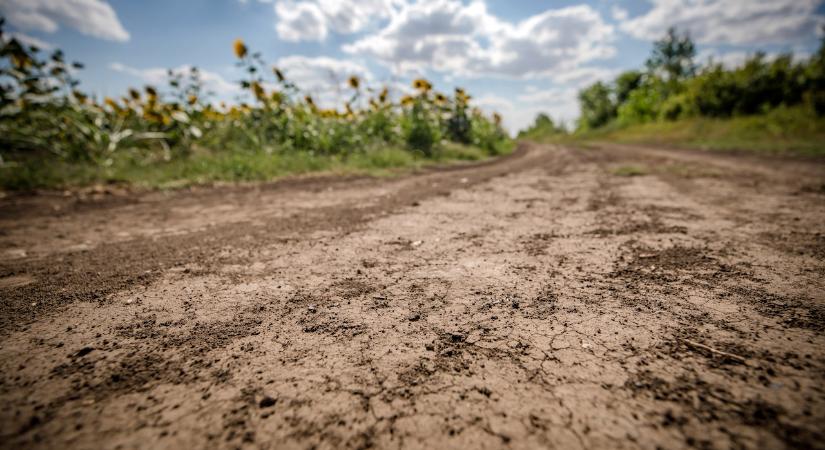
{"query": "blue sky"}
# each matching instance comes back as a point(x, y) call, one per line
point(517, 57)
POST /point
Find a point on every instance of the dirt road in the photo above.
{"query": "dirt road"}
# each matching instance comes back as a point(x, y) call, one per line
point(540, 301)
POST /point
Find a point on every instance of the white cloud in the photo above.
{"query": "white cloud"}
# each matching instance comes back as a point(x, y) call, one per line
point(313, 20)
point(560, 103)
point(466, 40)
point(733, 59)
point(31, 40)
point(157, 76)
point(324, 78)
point(583, 76)
point(300, 21)
point(620, 14)
point(91, 17)
point(734, 22)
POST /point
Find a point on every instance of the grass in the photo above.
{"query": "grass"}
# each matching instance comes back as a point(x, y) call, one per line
point(781, 131)
point(204, 167)
point(629, 171)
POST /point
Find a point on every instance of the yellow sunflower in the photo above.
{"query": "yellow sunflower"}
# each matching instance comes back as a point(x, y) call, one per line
point(240, 48)
point(422, 85)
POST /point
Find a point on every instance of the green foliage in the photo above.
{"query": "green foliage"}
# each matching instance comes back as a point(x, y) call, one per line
point(626, 83)
point(542, 127)
point(488, 135)
point(796, 130)
point(672, 57)
point(419, 132)
point(597, 106)
point(674, 88)
point(643, 104)
point(459, 126)
point(48, 127)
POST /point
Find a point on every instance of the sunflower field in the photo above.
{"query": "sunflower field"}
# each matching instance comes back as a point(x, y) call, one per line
point(53, 134)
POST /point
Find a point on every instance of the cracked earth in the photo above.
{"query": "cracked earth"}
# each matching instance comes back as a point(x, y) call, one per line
point(537, 301)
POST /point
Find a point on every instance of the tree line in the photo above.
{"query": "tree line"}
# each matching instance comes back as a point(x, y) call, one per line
point(672, 86)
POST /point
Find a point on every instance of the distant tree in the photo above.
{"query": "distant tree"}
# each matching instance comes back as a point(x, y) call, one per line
point(816, 78)
point(672, 56)
point(626, 83)
point(543, 121)
point(542, 126)
point(597, 107)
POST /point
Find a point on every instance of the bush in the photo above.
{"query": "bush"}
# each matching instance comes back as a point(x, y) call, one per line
point(672, 88)
point(643, 104)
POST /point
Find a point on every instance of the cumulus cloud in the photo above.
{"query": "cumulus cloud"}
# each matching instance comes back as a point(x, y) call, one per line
point(560, 102)
point(465, 39)
point(212, 81)
point(300, 21)
point(737, 58)
point(619, 13)
point(313, 20)
point(583, 76)
point(520, 113)
point(91, 17)
point(322, 77)
point(734, 22)
point(32, 41)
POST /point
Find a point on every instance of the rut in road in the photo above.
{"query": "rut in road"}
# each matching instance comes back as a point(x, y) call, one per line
point(537, 301)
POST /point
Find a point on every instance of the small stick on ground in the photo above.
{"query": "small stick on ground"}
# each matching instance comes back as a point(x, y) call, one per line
point(715, 351)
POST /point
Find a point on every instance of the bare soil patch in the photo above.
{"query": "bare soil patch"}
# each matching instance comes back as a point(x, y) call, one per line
point(537, 301)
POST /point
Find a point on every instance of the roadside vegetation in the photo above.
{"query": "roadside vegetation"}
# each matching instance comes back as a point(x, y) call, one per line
point(53, 134)
point(767, 104)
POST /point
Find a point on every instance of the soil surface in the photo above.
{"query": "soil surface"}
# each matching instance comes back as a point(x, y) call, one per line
point(537, 301)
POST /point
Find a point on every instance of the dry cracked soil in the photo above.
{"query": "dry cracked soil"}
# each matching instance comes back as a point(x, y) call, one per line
point(542, 300)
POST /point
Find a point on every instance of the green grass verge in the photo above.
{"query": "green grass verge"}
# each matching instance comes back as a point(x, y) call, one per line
point(203, 167)
point(781, 131)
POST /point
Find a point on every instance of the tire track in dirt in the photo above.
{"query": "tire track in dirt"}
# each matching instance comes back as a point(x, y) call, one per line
point(106, 266)
point(536, 302)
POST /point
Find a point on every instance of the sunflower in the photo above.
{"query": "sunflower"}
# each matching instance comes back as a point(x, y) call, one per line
point(440, 98)
point(308, 99)
point(258, 90)
point(79, 96)
point(240, 48)
point(422, 85)
point(152, 116)
point(407, 100)
point(497, 119)
point(354, 82)
point(21, 60)
point(192, 99)
point(461, 95)
point(108, 101)
point(134, 94)
point(151, 95)
point(382, 97)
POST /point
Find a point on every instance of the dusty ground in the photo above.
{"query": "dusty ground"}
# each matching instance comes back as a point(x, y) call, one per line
point(541, 301)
